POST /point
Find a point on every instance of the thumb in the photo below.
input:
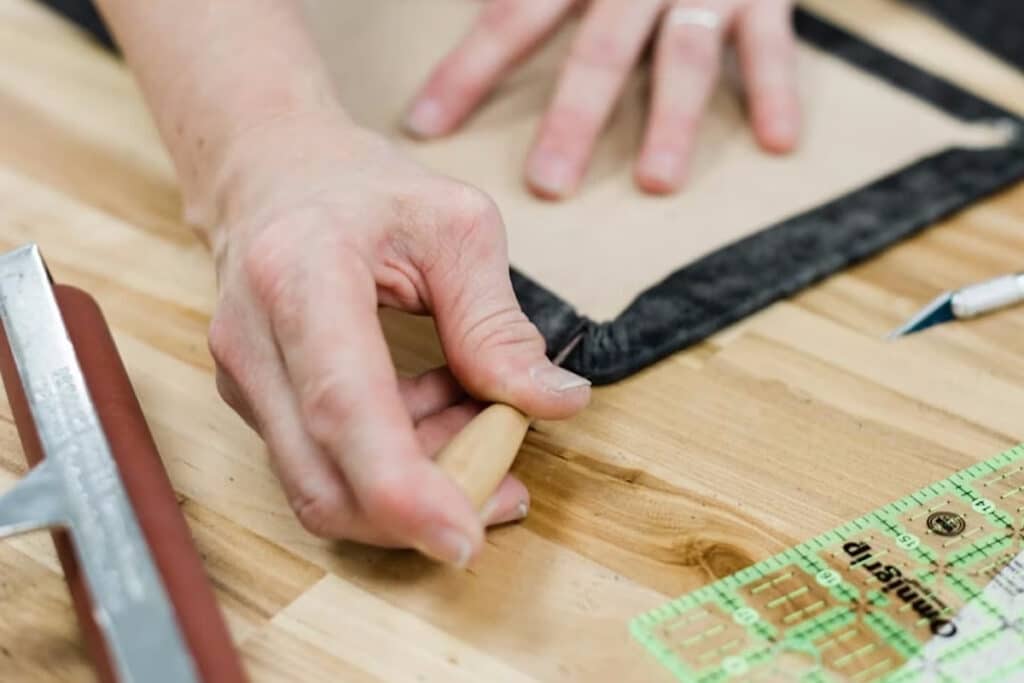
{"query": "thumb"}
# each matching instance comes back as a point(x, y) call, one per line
point(492, 348)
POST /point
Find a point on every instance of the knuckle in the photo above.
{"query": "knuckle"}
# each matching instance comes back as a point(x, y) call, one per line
point(227, 389)
point(675, 125)
point(232, 378)
point(508, 322)
point(604, 51)
point(769, 37)
point(223, 344)
point(265, 271)
point(474, 208)
point(220, 340)
point(517, 331)
point(567, 128)
point(320, 512)
point(445, 223)
point(388, 502)
point(326, 407)
point(772, 43)
point(233, 395)
point(498, 18)
point(473, 227)
point(701, 51)
point(504, 328)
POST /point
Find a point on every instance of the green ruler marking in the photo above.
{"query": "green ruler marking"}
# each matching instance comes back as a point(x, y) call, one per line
point(927, 588)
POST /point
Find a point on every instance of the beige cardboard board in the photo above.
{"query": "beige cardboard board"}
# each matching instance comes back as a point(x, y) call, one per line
point(603, 247)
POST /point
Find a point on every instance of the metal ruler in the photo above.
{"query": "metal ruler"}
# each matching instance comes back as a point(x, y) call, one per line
point(77, 485)
point(928, 588)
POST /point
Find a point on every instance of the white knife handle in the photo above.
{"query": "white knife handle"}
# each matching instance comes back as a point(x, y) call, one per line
point(988, 296)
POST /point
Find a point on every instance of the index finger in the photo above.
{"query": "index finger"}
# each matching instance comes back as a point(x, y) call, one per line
point(325, 322)
point(603, 55)
point(506, 31)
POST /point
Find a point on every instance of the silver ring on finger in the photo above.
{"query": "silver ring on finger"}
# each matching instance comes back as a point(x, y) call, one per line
point(681, 15)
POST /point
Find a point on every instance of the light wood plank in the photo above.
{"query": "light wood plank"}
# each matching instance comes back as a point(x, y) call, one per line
point(766, 434)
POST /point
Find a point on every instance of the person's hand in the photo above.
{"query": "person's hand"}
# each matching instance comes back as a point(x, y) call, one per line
point(315, 225)
point(689, 40)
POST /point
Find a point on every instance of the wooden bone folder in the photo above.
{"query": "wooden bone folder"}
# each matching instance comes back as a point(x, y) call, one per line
point(146, 608)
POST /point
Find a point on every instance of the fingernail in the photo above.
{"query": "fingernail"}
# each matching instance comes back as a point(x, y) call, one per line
point(781, 131)
point(551, 174)
point(552, 378)
point(426, 119)
point(517, 513)
point(662, 167)
point(450, 547)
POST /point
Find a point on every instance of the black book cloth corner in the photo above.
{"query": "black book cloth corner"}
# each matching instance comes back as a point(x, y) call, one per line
point(996, 25)
point(731, 283)
point(713, 292)
point(83, 13)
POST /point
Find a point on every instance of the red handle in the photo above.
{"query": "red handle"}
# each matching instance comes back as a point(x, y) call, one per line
point(148, 487)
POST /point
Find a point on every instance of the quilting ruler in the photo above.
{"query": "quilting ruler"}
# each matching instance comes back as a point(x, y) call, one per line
point(928, 588)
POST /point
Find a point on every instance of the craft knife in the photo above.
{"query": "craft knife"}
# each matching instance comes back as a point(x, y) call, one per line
point(969, 302)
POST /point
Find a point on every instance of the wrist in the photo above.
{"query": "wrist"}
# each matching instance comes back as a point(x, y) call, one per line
point(237, 172)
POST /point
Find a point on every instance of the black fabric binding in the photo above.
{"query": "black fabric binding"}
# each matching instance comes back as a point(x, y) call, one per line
point(997, 25)
point(713, 292)
point(83, 13)
point(717, 290)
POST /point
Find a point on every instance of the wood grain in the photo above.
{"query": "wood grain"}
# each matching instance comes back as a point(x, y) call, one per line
point(774, 430)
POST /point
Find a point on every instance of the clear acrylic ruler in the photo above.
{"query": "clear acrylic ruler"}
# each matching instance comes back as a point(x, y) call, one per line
point(928, 588)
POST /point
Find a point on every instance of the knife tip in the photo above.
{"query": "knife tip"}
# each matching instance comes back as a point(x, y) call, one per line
point(939, 311)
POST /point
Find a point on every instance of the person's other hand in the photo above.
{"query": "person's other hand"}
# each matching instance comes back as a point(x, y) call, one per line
point(689, 40)
point(317, 225)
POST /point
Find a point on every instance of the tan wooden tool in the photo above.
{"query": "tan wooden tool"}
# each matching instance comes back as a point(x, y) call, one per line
point(480, 456)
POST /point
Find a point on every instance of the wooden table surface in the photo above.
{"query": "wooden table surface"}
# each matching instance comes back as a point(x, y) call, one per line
point(777, 429)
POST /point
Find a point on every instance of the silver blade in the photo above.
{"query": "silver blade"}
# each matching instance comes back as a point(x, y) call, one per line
point(940, 310)
point(129, 602)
